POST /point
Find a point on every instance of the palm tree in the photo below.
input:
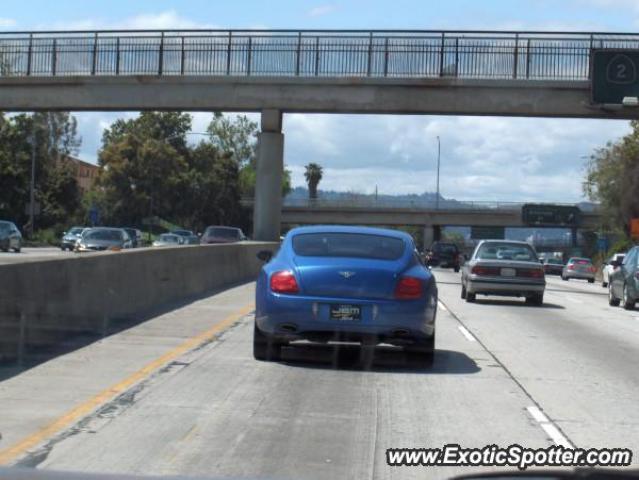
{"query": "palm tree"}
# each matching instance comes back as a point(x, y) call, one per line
point(313, 176)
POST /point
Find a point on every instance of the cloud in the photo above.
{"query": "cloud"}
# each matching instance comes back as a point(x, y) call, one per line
point(166, 20)
point(7, 22)
point(321, 10)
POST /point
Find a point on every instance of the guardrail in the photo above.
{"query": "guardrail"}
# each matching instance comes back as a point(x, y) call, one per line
point(304, 53)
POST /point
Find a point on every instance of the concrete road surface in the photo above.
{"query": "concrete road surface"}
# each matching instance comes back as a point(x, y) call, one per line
point(28, 254)
point(132, 403)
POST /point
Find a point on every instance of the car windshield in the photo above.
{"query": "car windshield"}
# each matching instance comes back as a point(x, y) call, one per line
point(184, 233)
point(103, 235)
point(445, 248)
point(554, 261)
point(355, 245)
point(506, 251)
point(75, 231)
point(220, 232)
point(5, 227)
point(168, 238)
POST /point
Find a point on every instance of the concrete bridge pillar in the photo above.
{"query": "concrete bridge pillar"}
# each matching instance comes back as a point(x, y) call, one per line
point(267, 209)
point(432, 233)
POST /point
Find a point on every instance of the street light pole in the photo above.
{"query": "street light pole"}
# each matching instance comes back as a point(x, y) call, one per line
point(439, 151)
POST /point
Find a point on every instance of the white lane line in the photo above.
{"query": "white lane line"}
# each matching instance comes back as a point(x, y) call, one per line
point(466, 333)
point(442, 306)
point(551, 430)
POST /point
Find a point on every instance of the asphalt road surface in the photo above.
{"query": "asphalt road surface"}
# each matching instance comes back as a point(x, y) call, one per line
point(321, 414)
point(28, 254)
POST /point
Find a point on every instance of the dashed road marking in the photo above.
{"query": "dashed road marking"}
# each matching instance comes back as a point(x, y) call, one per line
point(466, 333)
point(551, 430)
point(442, 306)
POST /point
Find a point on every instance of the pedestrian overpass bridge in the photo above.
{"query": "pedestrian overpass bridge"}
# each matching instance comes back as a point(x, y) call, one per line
point(542, 74)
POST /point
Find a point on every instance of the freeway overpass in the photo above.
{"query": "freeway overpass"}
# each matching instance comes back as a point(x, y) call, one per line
point(517, 73)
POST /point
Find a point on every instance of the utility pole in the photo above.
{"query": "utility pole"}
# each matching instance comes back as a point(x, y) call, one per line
point(439, 151)
point(32, 188)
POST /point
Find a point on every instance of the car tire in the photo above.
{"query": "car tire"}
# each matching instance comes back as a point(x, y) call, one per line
point(17, 249)
point(422, 352)
point(612, 300)
point(565, 279)
point(264, 348)
point(470, 297)
point(604, 284)
point(456, 269)
point(591, 280)
point(536, 299)
point(627, 303)
point(463, 291)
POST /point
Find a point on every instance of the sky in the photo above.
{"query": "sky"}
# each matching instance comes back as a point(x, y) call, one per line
point(483, 158)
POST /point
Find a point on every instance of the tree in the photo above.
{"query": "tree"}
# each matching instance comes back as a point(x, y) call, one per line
point(313, 175)
point(612, 178)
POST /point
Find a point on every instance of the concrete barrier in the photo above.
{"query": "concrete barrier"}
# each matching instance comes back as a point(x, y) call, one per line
point(43, 302)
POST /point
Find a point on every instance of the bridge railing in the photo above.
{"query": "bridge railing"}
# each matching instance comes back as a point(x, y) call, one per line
point(285, 53)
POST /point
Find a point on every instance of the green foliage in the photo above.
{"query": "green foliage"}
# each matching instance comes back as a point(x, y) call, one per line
point(313, 175)
point(612, 178)
point(55, 187)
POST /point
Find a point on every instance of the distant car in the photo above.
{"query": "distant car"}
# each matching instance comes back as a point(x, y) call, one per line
point(70, 237)
point(609, 266)
point(443, 254)
point(505, 268)
point(190, 238)
point(581, 268)
point(215, 234)
point(10, 237)
point(135, 235)
point(553, 266)
point(169, 240)
point(354, 284)
point(103, 238)
point(623, 286)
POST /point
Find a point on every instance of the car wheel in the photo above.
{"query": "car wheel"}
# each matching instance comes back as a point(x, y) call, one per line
point(627, 302)
point(463, 291)
point(536, 299)
point(591, 280)
point(264, 348)
point(456, 269)
point(564, 278)
point(17, 249)
point(612, 300)
point(470, 297)
point(604, 284)
point(422, 352)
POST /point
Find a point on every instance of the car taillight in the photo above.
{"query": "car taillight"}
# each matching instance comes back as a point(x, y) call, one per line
point(480, 270)
point(592, 269)
point(530, 272)
point(571, 267)
point(408, 288)
point(284, 282)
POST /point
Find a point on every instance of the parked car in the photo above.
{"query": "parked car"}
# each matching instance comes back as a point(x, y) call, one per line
point(553, 266)
point(70, 237)
point(169, 240)
point(190, 238)
point(354, 284)
point(103, 238)
point(506, 268)
point(623, 286)
point(443, 254)
point(215, 234)
point(581, 268)
point(10, 237)
point(609, 266)
point(135, 235)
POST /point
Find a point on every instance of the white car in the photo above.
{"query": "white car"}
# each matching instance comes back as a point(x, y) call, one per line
point(608, 268)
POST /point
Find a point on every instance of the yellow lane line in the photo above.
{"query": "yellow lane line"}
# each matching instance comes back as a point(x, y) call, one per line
point(13, 452)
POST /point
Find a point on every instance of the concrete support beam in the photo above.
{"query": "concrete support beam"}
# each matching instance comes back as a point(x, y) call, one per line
point(429, 236)
point(267, 210)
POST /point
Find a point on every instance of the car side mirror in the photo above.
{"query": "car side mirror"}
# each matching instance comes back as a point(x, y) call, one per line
point(265, 255)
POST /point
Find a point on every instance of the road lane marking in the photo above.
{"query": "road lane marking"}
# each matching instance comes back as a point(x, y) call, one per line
point(16, 450)
point(466, 333)
point(551, 430)
point(442, 306)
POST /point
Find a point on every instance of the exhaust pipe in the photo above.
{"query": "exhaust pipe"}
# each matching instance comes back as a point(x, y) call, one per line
point(288, 327)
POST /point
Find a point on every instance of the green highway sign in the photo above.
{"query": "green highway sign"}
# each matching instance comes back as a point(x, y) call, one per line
point(614, 75)
point(487, 233)
point(545, 215)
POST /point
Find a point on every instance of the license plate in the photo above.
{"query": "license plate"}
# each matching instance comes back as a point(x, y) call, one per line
point(508, 272)
point(346, 313)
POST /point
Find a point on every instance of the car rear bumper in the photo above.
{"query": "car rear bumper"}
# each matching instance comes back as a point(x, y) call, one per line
point(514, 288)
point(289, 318)
point(580, 275)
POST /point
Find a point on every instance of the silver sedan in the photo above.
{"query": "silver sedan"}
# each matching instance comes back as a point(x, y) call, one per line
point(504, 268)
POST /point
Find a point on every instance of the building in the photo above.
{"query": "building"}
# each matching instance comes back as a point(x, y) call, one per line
point(85, 173)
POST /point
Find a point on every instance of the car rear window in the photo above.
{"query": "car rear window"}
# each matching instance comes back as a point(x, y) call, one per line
point(223, 232)
point(582, 262)
point(377, 247)
point(446, 248)
point(506, 251)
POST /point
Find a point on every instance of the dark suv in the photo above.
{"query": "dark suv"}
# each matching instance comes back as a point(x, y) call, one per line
point(442, 254)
